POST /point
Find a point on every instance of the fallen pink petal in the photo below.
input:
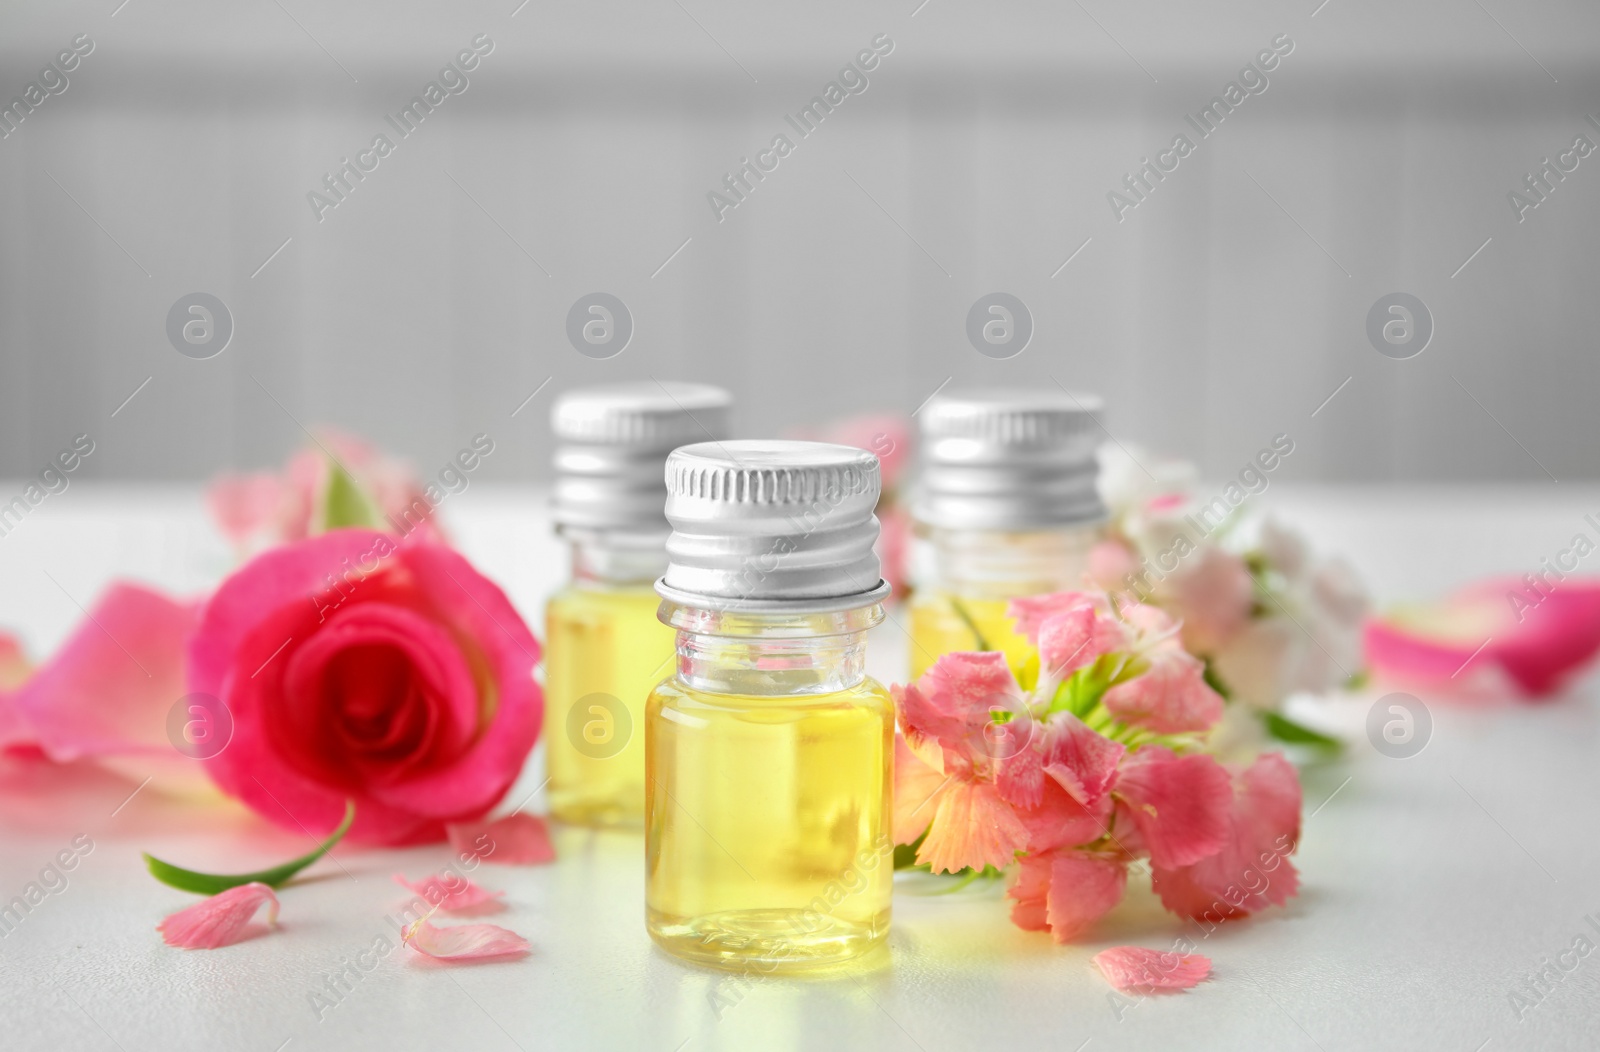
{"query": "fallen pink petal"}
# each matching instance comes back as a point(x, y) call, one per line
point(515, 840)
point(1496, 632)
point(221, 920)
point(1140, 970)
point(452, 893)
point(462, 942)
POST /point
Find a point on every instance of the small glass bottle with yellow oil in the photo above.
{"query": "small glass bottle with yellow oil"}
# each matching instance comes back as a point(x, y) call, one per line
point(769, 751)
point(605, 647)
point(1005, 506)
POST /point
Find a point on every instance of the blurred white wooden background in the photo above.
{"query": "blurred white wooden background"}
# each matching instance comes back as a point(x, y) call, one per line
point(427, 306)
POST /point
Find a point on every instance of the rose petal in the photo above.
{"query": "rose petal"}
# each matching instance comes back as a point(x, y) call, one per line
point(516, 840)
point(1540, 642)
point(109, 688)
point(1134, 968)
point(219, 920)
point(450, 892)
point(463, 942)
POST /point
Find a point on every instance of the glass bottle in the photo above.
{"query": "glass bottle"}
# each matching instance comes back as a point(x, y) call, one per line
point(605, 646)
point(769, 752)
point(1005, 506)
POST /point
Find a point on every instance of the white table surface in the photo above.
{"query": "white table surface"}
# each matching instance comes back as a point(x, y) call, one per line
point(1432, 886)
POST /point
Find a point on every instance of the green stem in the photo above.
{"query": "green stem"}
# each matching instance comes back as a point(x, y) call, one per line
point(972, 626)
point(212, 883)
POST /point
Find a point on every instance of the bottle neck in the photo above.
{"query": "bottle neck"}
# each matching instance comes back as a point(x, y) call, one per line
point(1003, 563)
point(609, 560)
point(770, 655)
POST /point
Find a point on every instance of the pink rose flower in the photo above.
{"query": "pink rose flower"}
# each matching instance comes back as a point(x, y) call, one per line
point(358, 666)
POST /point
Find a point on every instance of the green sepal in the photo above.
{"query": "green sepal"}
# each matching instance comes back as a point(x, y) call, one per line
point(345, 503)
point(212, 883)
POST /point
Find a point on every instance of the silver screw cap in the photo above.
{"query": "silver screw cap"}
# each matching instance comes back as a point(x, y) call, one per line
point(1009, 460)
point(611, 444)
point(772, 526)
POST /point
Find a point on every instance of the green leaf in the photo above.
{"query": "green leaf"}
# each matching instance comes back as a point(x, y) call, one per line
point(212, 883)
point(1286, 730)
point(345, 503)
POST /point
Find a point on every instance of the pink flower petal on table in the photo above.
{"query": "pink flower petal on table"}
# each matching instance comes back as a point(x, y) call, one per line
point(515, 840)
point(1538, 641)
point(219, 920)
point(1135, 968)
point(462, 942)
point(109, 688)
point(450, 893)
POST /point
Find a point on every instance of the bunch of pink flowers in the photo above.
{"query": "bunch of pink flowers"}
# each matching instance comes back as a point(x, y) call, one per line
point(1085, 760)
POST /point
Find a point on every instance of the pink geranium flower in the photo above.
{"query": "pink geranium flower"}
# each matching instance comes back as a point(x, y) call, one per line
point(1092, 767)
point(356, 666)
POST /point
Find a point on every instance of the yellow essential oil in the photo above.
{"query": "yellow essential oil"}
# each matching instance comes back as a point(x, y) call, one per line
point(768, 752)
point(797, 874)
point(1007, 507)
point(606, 649)
point(943, 623)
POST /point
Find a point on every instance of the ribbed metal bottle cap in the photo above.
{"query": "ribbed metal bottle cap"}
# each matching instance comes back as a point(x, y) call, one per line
point(612, 442)
point(772, 525)
point(1008, 460)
